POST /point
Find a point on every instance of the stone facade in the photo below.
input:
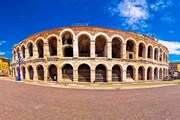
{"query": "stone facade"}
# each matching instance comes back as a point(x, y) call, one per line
point(90, 54)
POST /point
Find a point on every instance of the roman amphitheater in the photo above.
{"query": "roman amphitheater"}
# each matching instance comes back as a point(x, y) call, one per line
point(90, 54)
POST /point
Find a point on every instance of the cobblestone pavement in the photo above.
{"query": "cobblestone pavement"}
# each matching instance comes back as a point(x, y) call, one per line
point(27, 102)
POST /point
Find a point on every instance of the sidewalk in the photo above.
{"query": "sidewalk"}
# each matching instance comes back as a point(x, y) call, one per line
point(117, 85)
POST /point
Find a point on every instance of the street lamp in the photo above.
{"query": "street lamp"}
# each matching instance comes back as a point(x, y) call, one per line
point(19, 73)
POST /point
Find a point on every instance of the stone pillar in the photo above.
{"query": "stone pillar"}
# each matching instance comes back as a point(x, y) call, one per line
point(60, 75)
point(152, 74)
point(46, 50)
point(45, 73)
point(75, 47)
point(58, 72)
point(59, 47)
point(92, 50)
point(35, 51)
point(145, 74)
point(146, 52)
point(109, 50)
point(93, 76)
point(136, 57)
point(26, 53)
point(75, 75)
point(109, 76)
point(27, 73)
point(124, 75)
point(124, 51)
point(35, 74)
point(136, 74)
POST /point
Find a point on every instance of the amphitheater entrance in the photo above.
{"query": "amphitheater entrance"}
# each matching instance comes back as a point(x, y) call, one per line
point(101, 47)
point(149, 73)
point(40, 47)
point(52, 73)
point(40, 72)
point(141, 73)
point(100, 74)
point(156, 73)
point(67, 72)
point(116, 73)
point(68, 52)
point(130, 73)
point(23, 72)
point(160, 74)
point(30, 49)
point(84, 46)
point(31, 72)
point(116, 48)
point(52, 42)
point(84, 73)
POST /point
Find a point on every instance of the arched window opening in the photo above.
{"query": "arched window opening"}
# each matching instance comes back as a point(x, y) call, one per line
point(30, 49)
point(141, 52)
point(130, 72)
point(141, 74)
point(160, 74)
point(116, 48)
point(67, 72)
point(156, 73)
point(23, 72)
point(149, 73)
point(130, 56)
point(23, 51)
point(156, 54)
point(31, 72)
point(84, 73)
point(52, 46)
point(116, 74)
point(40, 72)
point(100, 74)
point(84, 46)
point(101, 50)
point(67, 38)
point(68, 52)
point(150, 52)
point(52, 73)
point(40, 47)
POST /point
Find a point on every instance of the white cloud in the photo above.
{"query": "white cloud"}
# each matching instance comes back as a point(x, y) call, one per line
point(173, 46)
point(2, 42)
point(2, 53)
point(160, 5)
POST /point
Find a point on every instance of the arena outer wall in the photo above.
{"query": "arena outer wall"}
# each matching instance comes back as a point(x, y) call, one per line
point(90, 54)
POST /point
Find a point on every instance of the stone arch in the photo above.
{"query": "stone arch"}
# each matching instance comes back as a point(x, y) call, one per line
point(52, 43)
point(117, 47)
point(130, 48)
point(84, 45)
point(23, 51)
point(156, 77)
point(150, 52)
point(40, 48)
point(23, 70)
point(84, 73)
point(130, 72)
point(40, 72)
point(149, 73)
point(52, 73)
point(142, 50)
point(160, 74)
point(31, 72)
point(116, 73)
point(141, 73)
point(100, 72)
point(67, 38)
point(101, 46)
point(30, 48)
point(156, 53)
point(67, 72)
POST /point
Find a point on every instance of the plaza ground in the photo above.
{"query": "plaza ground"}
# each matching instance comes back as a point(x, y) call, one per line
point(29, 102)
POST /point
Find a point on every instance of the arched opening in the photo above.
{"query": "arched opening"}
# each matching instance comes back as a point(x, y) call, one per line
point(141, 73)
point(141, 50)
point(40, 48)
point(130, 72)
point(68, 52)
point(130, 49)
point(156, 54)
point(164, 57)
point(101, 50)
point(116, 73)
point(100, 74)
point(156, 74)
point(40, 72)
point(31, 72)
point(84, 46)
point(23, 51)
point(150, 52)
point(116, 48)
point(67, 38)
point(23, 72)
point(84, 73)
point(67, 72)
point(52, 42)
point(30, 49)
point(52, 73)
point(149, 73)
point(164, 73)
point(14, 53)
point(160, 74)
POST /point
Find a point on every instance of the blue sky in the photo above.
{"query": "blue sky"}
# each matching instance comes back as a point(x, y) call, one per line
point(21, 18)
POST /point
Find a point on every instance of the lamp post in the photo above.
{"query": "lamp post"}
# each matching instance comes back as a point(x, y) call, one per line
point(19, 73)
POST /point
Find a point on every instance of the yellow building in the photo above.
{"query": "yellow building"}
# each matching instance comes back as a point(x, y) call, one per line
point(4, 66)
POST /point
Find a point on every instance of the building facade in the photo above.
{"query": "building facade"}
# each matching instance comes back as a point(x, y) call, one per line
point(174, 70)
point(90, 54)
point(4, 66)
